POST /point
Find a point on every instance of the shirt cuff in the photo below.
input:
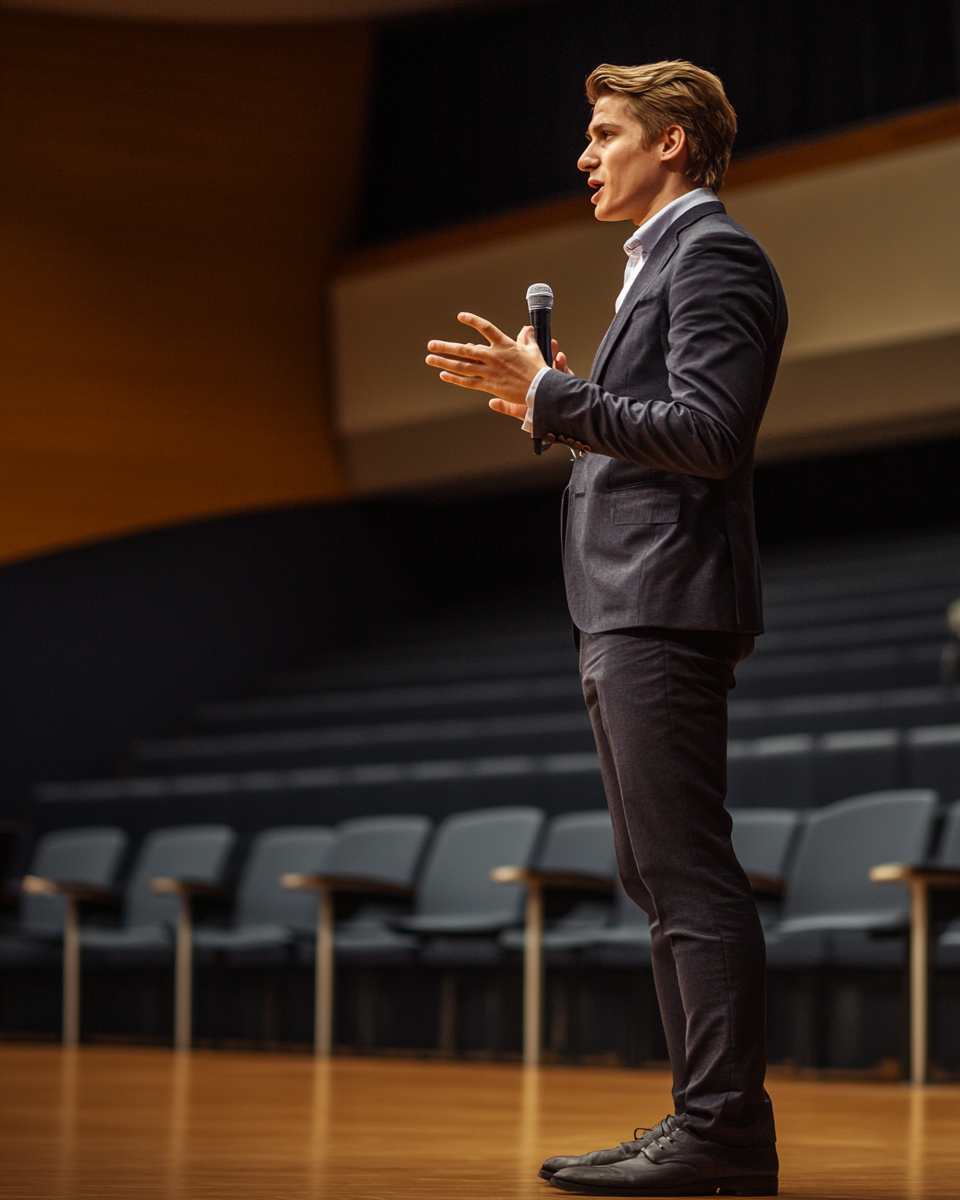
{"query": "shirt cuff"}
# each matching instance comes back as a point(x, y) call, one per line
point(527, 425)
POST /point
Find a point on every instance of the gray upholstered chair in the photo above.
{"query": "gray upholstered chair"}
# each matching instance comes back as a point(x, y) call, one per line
point(67, 867)
point(833, 914)
point(831, 908)
point(267, 915)
point(459, 909)
point(376, 859)
point(578, 854)
point(172, 867)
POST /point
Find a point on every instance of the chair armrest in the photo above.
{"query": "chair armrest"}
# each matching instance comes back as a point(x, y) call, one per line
point(36, 885)
point(169, 886)
point(766, 885)
point(299, 881)
point(567, 880)
point(933, 877)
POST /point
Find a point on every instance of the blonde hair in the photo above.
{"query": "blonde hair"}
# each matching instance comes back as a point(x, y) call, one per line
point(677, 93)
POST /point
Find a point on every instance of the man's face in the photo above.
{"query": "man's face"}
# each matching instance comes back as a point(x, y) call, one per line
point(626, 175)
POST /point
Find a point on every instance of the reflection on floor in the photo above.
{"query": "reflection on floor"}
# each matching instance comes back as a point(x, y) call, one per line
point(122, 1122)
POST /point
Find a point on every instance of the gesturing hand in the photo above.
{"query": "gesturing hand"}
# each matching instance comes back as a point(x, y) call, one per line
point(505, 367)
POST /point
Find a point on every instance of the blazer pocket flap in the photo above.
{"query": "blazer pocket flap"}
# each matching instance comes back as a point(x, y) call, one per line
point(647, 504)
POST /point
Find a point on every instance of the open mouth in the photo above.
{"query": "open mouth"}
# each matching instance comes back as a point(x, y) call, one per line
point(597, 189)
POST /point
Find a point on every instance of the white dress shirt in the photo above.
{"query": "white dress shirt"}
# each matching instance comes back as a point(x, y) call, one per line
point(638, 249)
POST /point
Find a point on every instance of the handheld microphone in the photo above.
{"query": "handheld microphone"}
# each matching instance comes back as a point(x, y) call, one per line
point(539, 307)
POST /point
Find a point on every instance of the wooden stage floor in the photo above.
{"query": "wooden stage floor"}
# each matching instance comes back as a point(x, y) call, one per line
point(104, 1123)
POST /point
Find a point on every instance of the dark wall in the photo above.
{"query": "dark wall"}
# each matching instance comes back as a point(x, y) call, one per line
point(109, 642)
point(896, 489)
point(478, 112)
point(106, 642)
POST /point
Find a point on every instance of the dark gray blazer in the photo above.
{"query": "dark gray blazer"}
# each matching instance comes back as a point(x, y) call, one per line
point(658, 525)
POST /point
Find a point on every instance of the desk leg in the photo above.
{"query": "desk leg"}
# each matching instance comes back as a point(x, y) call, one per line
point(533, 977)
point(919, 980)
point(71, 973)
point(183, 977)
point(323, 1011)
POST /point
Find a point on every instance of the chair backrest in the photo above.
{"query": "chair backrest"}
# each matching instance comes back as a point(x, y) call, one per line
point(197, 852)
point(274, 852)
point(467, 847)
point(839, 844)
point(72, 855)
point(581, 842)
point(382, 848)
point(762, 839)
point(948, 852)
point(855, 762)
point(771, 772)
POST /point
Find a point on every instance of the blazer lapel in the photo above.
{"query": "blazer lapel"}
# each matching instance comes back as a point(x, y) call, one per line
point(662, 253)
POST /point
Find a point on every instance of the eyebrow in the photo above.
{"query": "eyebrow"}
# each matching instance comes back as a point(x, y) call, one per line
point(601, 125)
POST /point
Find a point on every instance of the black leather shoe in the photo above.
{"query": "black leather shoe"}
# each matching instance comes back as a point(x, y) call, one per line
point(602, 1158)
point(678, 1164)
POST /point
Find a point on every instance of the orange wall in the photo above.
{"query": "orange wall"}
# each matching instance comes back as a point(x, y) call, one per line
point(171, 199)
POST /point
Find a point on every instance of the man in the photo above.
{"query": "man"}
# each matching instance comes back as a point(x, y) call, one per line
point(663, 582)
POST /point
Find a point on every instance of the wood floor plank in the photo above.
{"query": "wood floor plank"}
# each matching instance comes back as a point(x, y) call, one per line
point(105, 1123)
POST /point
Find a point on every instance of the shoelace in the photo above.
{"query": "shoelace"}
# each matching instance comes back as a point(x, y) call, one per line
point(644, 1129)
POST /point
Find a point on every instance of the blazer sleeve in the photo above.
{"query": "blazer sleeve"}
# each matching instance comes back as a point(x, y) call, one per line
point(722, 319)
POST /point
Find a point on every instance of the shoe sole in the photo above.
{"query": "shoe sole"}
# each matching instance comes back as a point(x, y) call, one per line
point(748, 1185)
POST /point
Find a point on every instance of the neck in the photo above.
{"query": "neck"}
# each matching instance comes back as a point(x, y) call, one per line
point(675, 187)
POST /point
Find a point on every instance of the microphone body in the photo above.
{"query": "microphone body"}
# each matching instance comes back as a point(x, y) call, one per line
point(540, 308)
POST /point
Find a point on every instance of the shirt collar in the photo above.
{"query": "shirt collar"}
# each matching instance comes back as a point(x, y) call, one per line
point(650, 232)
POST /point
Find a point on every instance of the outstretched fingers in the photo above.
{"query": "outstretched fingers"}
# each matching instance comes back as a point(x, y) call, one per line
point(485, 328)
point(460, 351)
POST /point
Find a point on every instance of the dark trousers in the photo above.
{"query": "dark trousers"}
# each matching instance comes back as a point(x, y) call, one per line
point(658, 703)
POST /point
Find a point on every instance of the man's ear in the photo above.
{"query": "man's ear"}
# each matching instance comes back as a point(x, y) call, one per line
point(673, 147)
point(673, 143)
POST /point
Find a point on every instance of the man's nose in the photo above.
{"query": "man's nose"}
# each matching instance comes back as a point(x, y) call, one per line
point(587, 161)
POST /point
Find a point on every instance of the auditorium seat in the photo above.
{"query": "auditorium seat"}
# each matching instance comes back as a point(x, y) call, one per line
point(194, 852)
point(577, 855)
point(376, 859)
point(459, 910)
point(456, 896)
point(832, 913)
point(89, 856)
point(267, 916)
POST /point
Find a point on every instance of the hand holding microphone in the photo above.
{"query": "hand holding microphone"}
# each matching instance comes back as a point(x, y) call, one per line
point(505, 368)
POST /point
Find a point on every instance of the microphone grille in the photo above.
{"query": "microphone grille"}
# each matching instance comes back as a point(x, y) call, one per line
point(539, 295)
